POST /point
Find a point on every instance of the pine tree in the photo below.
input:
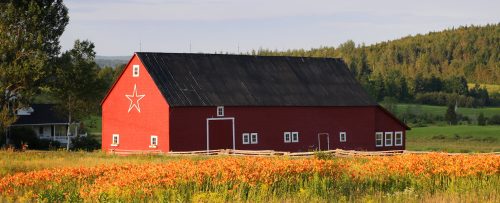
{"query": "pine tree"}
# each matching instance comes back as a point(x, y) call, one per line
point(451, 115)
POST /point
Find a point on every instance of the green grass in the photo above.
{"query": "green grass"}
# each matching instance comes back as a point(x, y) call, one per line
point(461, 138)
point(441, 110)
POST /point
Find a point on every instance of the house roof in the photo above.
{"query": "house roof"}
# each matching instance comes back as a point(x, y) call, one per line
point(42, 114)
point(240, 80)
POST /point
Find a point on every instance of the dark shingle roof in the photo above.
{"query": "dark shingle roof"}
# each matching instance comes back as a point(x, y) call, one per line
point(239, 80)
point(43, 113)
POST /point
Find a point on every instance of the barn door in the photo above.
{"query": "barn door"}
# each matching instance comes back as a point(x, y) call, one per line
point(323, 141)
point(220, 133)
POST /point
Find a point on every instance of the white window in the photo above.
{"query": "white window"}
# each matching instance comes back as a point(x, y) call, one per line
point(295, 136)
point(154, 141)
point(398, 138)
point(379, 139)
point(287, 137)
point(135, 71)
point(343, 137)
point(246, 138)
point(388, 138)
point(115, 140)
point(254, 138)
point(220, 111)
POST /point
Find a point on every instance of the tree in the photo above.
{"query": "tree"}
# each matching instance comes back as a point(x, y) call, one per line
point(29, 43)
point(451, 115)
point(481, 120)
point(76, 85)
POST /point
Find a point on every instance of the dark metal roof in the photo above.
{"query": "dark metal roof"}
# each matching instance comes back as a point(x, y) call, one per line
point(240, 80)
point(42, 114)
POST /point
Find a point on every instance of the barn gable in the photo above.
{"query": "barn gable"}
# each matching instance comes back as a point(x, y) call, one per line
point(238, 80)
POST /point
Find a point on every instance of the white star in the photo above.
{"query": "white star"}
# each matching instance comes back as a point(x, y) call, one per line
point(134, 99)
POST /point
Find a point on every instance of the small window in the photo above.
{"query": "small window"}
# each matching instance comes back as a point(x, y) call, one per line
point(287, 137)
point(40, 131)
point(388, 138)
point(135, 71)
point(398, 139)
point(246, 138)
point(254, 138)
point(154, 141)
point(295, 136)
point(116, 140)
point(342, 137)
point(220, 111)
point(379, 139)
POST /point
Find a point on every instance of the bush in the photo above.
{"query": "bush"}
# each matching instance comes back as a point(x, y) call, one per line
point(481, 120)
point(84, 143)
point(443, 99)
point(494, 120)
point(24, 135)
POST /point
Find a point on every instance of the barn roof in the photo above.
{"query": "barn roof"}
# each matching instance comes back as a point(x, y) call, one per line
point(241, 80)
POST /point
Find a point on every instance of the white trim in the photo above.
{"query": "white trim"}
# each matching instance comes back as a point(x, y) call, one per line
point(134, 68)
point(220, 111)
point(256, 138)
point(208, 133)
point(327, 140)
point(151, 145)
point(381, 139)
point(396, 138)
point(117, 140)
point(345, 137)
point(293, 138)
point(289, 137)
point(386, 139)
point(247, 135)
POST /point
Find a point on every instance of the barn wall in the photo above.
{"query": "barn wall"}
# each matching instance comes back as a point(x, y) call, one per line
point(134, 127)
point(385, 123)
point(188, 127)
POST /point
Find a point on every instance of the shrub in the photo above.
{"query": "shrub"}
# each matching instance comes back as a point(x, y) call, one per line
point(20, 135)
point(84, 143)
point(481, 120)
point(494, 120)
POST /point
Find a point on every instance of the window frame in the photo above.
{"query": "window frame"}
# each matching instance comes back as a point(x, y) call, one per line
point(247, 135)
point(220, 111)
point(345, 136)
point(297, 136)
point(135, 71)
point(386, 139)
point(396, 138)
point(252, 135)
point(381, 139)
point(289, 134)
point(113, 143)
point(151, 145)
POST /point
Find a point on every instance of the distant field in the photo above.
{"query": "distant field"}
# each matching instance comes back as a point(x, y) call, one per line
point(490, 87)
point(441, 110)
point(462, 138)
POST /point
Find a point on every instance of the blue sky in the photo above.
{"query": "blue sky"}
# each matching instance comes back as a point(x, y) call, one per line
point(119, 27)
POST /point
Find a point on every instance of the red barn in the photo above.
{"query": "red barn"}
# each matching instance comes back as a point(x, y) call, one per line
point(185, 102)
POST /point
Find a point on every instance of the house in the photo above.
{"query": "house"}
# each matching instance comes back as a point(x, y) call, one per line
point(184, 102)
point(45, 122)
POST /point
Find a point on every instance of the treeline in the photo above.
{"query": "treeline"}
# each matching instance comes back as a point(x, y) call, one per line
point(418, 68)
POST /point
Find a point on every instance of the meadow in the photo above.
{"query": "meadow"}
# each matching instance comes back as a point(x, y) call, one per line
point(82, 176)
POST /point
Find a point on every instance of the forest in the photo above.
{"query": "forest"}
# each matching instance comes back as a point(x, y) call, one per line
point(434, 68)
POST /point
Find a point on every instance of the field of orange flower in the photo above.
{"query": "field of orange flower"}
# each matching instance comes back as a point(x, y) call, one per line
point(412, 177)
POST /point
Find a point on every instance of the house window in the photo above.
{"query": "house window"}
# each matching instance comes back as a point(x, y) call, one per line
point(287, 137)
point(388, 138)
point(295, 136)
point(254, 138)
point(398, 139)
point(379, 139)
point(116, 140)
point(154, 141)
point(40, 131)
point(135, 71)
point(342, 137)
point(220, 111)
point(246, 138)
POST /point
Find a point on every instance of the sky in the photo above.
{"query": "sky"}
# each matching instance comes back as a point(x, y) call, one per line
point(122, 27)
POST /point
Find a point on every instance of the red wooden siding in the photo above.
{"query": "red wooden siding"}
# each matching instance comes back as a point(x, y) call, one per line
point(134, 127)
point(188, 127)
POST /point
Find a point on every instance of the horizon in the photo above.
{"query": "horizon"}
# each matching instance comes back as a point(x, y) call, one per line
point(120, 28)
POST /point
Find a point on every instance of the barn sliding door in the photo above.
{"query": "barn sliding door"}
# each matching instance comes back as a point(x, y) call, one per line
point(220, 133)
